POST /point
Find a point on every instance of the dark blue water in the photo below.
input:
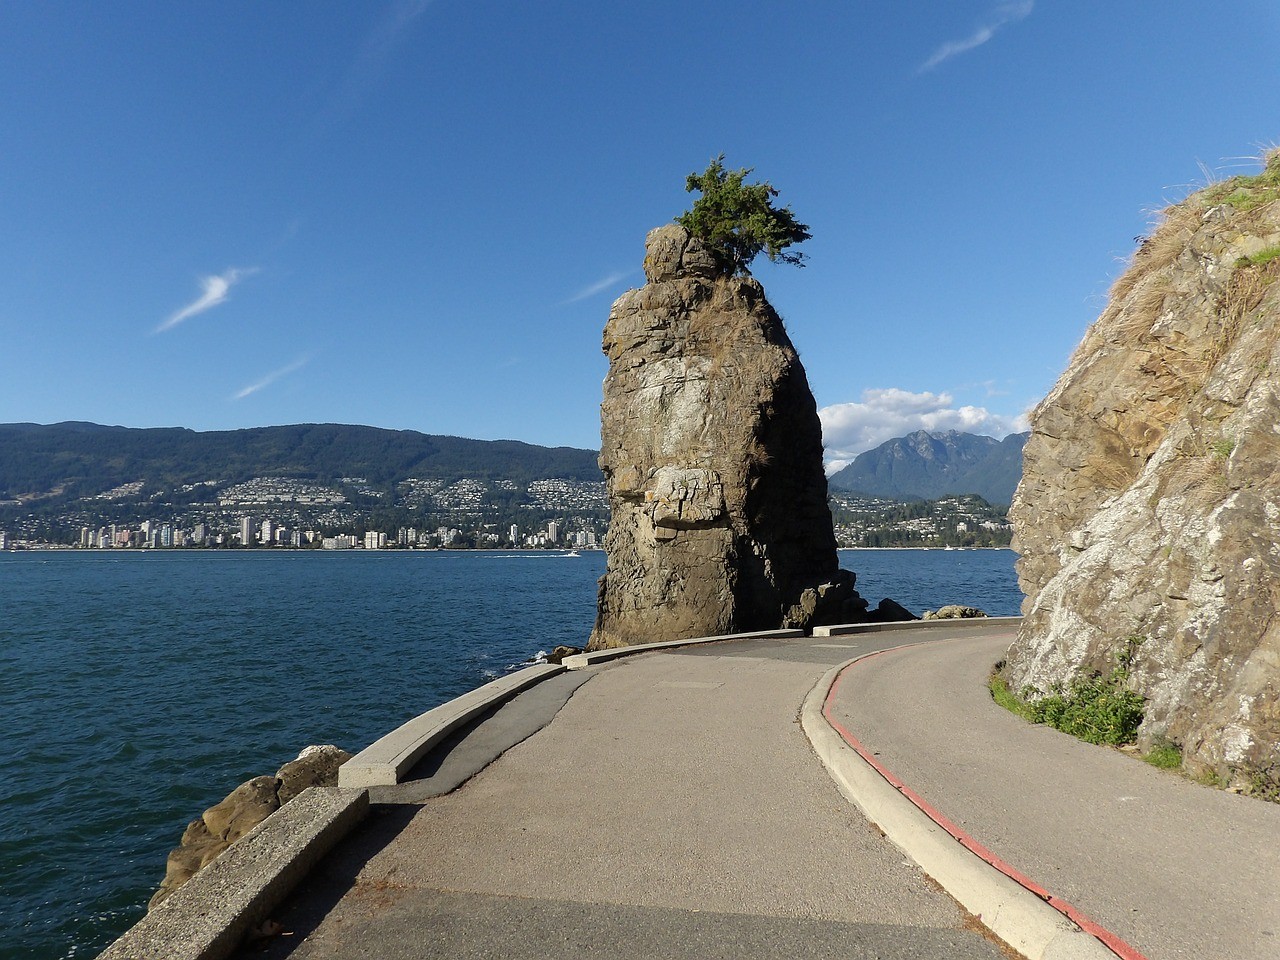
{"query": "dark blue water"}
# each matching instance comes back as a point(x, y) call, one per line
point(137, 689)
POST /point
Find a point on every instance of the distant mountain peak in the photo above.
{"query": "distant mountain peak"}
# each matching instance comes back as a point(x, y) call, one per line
point(930, 464)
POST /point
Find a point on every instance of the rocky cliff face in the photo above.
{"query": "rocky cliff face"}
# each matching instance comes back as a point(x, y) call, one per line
point(712, 455)
point(1150, 500)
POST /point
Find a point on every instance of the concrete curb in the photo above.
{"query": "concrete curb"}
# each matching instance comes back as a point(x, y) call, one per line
point(580, 660)
point(1019, 917)
point(390, 757)
point(846, 629)
point(208, 916)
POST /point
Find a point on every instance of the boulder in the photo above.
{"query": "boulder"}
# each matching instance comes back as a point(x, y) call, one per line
point(561, 651)
point(316, 766)
point(890, 611)
point(712, 454)
point(1149, 509)
point(953, 611)
point(243, 809)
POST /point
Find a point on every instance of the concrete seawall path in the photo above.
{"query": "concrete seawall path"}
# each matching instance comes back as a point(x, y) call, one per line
point(669, 804)
point(672, 808)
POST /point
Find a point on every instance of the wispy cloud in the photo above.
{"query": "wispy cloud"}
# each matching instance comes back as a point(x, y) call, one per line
point(271, 378)
point(848, 429)
point(215, 290)
point(378, 47)
point(1004, 14)
point(599, 286)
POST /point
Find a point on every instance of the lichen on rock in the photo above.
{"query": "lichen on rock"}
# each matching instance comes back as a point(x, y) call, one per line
point(712, 454)
point(1150, 500)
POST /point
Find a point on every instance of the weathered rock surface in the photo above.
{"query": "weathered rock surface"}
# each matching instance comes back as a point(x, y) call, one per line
point(953, 611)
point(243, 809)
point(1150, 498)
point(712, 453)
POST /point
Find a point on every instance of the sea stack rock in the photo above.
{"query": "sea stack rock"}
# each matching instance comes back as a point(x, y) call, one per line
point(1150, 500)
point(712, 454)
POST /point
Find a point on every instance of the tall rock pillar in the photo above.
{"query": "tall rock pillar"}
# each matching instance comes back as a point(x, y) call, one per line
point(712, 453)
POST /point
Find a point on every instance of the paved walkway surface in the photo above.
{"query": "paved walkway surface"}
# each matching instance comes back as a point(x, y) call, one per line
point(672, 808)
point(1176, 869)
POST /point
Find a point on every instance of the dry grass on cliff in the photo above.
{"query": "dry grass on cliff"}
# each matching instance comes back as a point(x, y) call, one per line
point(1177, 226)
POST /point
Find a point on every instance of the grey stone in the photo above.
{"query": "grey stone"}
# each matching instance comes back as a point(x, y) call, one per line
point(953, 611)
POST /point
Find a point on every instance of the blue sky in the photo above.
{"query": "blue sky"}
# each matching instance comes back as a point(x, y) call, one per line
point(416, 214)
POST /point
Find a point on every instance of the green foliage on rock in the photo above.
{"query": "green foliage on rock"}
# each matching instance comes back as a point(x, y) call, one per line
point(1098, 708)
point(738, 220)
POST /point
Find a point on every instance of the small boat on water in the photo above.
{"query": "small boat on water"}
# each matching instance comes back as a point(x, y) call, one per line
point(572, 553)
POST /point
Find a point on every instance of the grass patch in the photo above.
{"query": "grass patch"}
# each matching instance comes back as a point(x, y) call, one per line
point(1223, 448)
point(1005, 697)
point(1097, 708)
point(1248, 193)
point(1261, 258)
point(1165, 755)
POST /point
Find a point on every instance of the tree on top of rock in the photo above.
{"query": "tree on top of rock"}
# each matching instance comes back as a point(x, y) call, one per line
point(738, 220)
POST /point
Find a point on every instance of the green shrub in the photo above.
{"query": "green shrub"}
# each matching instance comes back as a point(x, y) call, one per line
point(738, 221)
point(1097, 708)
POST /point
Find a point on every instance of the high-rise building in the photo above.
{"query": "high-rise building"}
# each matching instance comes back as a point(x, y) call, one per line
point(199, 533)
point(553, 532)
point(246, 531)
point(514, 535)
point(4, 540)
point(268, 532)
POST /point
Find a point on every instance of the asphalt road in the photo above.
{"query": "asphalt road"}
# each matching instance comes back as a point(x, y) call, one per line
point(1176, 869)
point(672, 808)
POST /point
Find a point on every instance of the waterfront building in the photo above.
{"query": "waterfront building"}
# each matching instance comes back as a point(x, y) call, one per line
point(553, 532)
point(199, 534)
point(246, 531)
point(268, 536)
point(4, 540)
point(514, 535)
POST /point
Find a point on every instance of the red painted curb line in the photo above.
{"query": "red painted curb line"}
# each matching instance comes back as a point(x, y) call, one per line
point(1112, 942)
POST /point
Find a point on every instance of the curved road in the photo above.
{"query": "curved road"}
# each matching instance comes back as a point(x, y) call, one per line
point(672, 808)
point(1176, 869)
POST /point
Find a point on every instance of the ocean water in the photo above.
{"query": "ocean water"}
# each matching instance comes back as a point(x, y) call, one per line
point(138, 688)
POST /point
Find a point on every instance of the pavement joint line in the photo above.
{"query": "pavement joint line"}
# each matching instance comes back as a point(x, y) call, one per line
point(1026, 927)
point(578, 661)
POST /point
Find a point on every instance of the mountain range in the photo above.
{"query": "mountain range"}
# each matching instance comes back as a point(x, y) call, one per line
point(924, 465)
point(65, 461)
point(83, 459)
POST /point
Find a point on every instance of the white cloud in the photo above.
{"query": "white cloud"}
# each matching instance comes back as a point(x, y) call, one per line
point(271, 378)
point(598, 287)
point(849, 429)
point(215, 290)
point(1001, 15)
